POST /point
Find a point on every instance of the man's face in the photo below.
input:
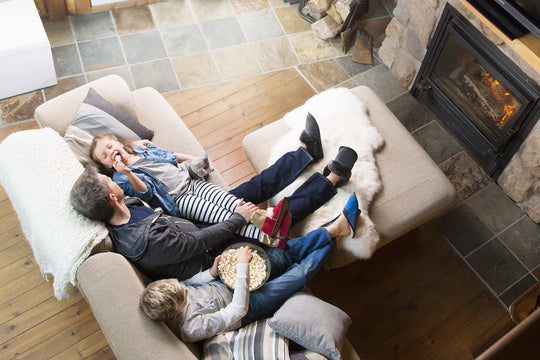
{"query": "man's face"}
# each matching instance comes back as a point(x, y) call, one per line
point(114, 188)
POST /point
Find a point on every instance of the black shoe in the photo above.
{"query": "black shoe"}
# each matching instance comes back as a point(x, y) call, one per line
point(311, 136)
point(342, 165)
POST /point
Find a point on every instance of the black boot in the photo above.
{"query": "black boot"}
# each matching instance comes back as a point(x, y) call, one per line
point(342, 165)
point(311, 136)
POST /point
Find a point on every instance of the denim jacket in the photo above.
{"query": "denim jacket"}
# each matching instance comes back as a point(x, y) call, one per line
point(155, 195)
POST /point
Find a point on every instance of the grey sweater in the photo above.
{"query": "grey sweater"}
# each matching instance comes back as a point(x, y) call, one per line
point(211, 307)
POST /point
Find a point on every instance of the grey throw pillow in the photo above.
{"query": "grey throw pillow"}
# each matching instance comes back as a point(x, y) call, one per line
point(313, 323)
point(95, 116)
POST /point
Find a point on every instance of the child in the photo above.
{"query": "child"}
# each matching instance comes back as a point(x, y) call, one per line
point(174, 182)
point(202, 307)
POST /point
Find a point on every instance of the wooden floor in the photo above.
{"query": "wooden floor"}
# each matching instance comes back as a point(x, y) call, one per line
point(415, 299)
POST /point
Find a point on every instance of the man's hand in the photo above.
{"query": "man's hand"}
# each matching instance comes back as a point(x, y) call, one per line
point(214, 269)
point(246, 209)
point(243, 256)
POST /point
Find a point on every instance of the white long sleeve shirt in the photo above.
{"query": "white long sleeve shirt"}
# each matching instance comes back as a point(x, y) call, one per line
point(211, 307)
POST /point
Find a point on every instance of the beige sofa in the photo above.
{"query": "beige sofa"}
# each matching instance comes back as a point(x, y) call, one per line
point(109, 283)
point(415, 190)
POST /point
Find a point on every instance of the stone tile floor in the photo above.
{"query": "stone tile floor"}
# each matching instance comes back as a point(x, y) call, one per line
point(180, 44)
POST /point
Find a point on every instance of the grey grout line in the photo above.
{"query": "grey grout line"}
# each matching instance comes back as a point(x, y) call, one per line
point(71, 26)
point(474, 271)
point(121, 48)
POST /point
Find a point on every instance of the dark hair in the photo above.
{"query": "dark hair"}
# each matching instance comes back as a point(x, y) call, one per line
point(90, 196)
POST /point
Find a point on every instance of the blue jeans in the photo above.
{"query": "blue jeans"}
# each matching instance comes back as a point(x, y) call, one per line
point(311, 195)
point(302, 258)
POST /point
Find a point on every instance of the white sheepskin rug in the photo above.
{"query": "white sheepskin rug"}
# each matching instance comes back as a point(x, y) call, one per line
point(37, 170)
point(343, 121)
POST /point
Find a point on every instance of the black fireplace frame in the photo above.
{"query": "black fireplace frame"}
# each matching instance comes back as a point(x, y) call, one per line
point(491, 155)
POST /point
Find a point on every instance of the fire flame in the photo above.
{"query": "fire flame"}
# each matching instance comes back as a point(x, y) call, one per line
point(506, 99)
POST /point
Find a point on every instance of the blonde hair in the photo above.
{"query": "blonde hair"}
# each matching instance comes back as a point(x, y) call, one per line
point(162, 299)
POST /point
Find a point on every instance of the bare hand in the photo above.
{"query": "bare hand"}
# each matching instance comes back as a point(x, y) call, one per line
point(246, 209)
point(243, 255)
point(121, 167)
point(214, 269)
point(141, 143)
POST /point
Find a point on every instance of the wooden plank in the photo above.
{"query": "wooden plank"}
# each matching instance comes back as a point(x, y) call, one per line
point(21, 285)
point(278, 81)
point(5, 207)
point(11, 238)
point(104, 354)
point(243, 180)
point(426, 312)
point(177, 98)
point(257, 109)
point(14, 253)
point(214, 93)
point(8, 222)
point(459, 332)
point(92, 344)
point(25, 302)
point(65, 339)
point(39, 313)
point(246, 122)
point(229, 161)
point(56, 9)
point(238, 172)
point(45, 329)
point(17, 269)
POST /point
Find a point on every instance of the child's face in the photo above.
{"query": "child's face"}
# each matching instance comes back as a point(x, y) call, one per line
point(106, 150)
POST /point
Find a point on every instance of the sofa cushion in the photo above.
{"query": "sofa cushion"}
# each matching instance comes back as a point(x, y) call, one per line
point(254, 341)
point(96, 116)
point(313, 323)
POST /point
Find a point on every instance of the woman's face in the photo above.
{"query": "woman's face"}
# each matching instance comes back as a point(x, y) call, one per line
point(107, 149)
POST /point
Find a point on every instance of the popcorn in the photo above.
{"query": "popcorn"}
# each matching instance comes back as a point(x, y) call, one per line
point(118, 158)
point(227, 269)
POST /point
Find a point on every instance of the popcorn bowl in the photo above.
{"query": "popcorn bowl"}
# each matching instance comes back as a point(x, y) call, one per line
point(227, 266)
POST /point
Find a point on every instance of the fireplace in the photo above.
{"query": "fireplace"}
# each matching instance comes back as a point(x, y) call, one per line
point(476, 93)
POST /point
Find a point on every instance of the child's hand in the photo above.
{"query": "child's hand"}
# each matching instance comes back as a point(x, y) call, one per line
point(246, 209)
point(121, 167)
point(243, 255)
point(141, 143)
point(214, 269)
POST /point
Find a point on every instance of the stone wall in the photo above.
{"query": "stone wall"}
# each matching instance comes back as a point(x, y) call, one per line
point(404, 48)
point(521, 178)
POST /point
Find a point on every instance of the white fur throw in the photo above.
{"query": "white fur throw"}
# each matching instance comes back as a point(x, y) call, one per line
point(343, 120)
point(37, 170)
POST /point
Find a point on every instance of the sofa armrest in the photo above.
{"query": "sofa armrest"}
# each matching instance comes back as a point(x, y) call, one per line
point(58, 113)
point(112, 286)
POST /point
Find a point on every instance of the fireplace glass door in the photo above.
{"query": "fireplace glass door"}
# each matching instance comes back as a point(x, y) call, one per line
point(469, 82)
point(476, 93)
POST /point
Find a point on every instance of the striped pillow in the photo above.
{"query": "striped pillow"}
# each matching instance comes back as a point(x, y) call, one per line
point(254, 341)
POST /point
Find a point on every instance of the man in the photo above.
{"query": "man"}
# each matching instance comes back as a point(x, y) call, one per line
point(163, 246)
